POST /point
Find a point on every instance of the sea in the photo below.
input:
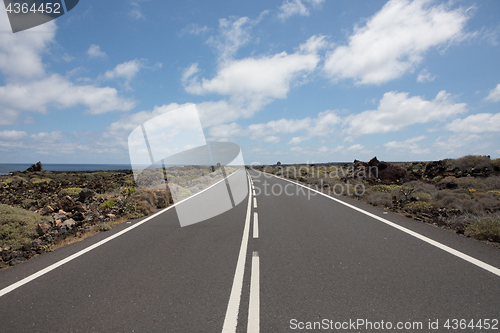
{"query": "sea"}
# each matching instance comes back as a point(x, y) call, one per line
point(6, 169)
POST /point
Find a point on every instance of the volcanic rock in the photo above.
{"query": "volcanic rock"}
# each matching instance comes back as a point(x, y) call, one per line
point(43, 227)
point(66, 204)
point(85, 194)
point(35, 167)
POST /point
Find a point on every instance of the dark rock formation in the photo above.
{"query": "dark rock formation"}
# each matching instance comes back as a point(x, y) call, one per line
point(35, 168)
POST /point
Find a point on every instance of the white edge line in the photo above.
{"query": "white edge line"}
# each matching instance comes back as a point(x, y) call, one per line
point(255, 225)
point(443, 247)
point(253, 325)
point(233, 306)
point(44, 271)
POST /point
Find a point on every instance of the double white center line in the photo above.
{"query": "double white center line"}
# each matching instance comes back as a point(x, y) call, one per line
point(231, 320)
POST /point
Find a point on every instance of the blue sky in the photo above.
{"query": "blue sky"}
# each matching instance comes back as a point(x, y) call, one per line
point(289, 80)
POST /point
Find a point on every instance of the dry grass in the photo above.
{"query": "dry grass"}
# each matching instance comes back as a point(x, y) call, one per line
point(101, 227)
point(18, 226)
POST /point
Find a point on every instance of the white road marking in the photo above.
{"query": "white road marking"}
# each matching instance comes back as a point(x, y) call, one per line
point(253, 325)
point(233, 306)
point(44, 271)
point(254, 192)
point(443, 247)
point(255, 225)
point(254, 202)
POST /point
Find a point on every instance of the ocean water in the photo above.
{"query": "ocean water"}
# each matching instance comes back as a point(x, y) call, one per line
point(8, 168)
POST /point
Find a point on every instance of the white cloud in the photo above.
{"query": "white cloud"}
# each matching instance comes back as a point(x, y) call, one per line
point(477, 123)
point(12, 135)
point(337, 149)
point(282, 126)
point(457, 142)
point(411, 144)
point(397, 111)
point(225, 130)
point(94, 51)
point(395, 40)
point(293, 7)
point(21, 53)
point(128, 123)
point(494, 95)
point(219, 112)
point(296, 140)
point(45, 137)
point(127, 71)
point(213, 115)
point(323, 149)
point(257, 81)
point(136, 12)
point(272, 139)
point(194, 29)
point(356, 147)
point(233, 34)
point(425, 76)
point(323, 125)
point(56, 91)
point(296, 149)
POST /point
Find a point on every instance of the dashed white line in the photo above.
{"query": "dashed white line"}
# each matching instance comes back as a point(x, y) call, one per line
point(254, 202)
point(233, 306)
point(253, 325)
point(255, 225)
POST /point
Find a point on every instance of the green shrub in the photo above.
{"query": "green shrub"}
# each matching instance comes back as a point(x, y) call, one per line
point(41, 180)
point(421, 196)
point(71, 191)
point(18, 226)
point(470, 161)
point(128, 191)
point(419, 206)
point(130, 210)
point(108, 204)
point(384, 188)
point(104, 227)
point(485, 229)
point(496, 163)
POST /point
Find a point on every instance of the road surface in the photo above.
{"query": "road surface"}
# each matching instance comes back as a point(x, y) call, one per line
point(285, 259)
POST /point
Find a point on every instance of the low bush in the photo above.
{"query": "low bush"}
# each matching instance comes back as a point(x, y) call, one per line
point(421, 196)
point(379, 199)
point(71, 191)
point(41, 180)
point(384, 188)
point(18, 226)
point(108, 204)
point(128, 191)
point(485, 229)
point(469, 162)
point(419, 206)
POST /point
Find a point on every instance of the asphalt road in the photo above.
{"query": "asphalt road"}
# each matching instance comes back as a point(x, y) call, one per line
point(277, 262)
